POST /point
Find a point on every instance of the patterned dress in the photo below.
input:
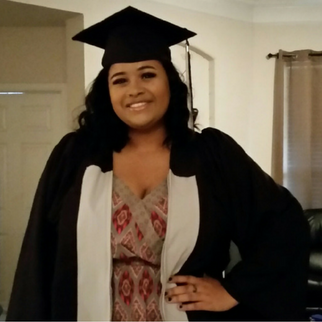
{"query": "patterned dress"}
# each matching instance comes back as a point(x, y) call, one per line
point(138, 232)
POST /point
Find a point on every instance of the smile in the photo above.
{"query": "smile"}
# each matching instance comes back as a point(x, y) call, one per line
point(137, 106)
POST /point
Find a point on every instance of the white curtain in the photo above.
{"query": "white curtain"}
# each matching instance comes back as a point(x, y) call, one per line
point(297, 125)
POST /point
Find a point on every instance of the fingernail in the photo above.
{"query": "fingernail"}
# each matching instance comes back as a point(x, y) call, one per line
point(166, 293)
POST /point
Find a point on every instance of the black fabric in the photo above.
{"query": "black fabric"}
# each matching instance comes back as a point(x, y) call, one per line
point(131, 35)
point(238, 202)
point(314, 299)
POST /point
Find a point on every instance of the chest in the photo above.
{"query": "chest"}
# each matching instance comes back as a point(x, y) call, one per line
point(141, 172)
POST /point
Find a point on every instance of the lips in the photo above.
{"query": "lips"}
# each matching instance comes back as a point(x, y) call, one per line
point(137, 106)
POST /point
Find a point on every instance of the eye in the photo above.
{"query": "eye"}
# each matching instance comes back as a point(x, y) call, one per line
point(148, 75)
point(118, 81)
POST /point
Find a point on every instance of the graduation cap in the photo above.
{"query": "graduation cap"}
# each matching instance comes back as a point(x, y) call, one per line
point(131, 35)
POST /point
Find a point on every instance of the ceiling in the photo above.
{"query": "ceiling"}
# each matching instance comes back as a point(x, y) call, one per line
point(280, 3)
point(14, 14)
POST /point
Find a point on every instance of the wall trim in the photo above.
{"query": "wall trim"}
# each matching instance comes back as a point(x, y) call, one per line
point(254, 12)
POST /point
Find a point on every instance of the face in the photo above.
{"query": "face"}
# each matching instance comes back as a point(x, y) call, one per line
point(139, 93)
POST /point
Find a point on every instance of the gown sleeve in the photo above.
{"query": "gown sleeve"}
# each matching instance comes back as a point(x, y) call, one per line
point(31, 292)
point(268, 226)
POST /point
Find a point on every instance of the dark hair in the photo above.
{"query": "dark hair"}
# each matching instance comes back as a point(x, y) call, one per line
point(107, 131)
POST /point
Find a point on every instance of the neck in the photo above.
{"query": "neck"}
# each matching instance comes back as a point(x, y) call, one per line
point(147, 141)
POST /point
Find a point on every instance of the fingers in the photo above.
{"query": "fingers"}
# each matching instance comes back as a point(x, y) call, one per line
point(196, 306)
point(186, 284)
point(194, 293)
point(188, 292)
point(185, 279)
point(188, 297)
point(183, 289)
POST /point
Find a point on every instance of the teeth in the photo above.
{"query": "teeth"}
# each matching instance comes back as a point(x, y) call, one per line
point(135, 105)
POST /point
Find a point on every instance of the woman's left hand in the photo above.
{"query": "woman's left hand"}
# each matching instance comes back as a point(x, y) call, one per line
point(202, 294)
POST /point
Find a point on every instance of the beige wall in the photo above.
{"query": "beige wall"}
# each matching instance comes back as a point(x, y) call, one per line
point(228, 41)
point(243, 87)
point(32, 55)
point(74, 70)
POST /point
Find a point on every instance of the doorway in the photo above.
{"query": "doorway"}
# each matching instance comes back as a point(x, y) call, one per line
point(41, 83)
point(31, 123)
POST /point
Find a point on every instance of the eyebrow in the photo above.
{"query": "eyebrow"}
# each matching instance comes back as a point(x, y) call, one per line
point(117, 74)
point(140, 68)
point(145, 67)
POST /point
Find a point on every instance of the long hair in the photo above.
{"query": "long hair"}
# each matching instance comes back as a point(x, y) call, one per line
point(106, 131)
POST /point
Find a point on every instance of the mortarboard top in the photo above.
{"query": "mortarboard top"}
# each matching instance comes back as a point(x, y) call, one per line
point(131, 35)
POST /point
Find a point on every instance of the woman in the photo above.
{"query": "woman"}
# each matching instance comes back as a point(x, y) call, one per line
point(135, 212)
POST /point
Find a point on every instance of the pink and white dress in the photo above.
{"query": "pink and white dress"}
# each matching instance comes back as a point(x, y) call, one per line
point(138, 232)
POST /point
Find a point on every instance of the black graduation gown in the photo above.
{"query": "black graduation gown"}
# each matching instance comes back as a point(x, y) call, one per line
point(237, 202)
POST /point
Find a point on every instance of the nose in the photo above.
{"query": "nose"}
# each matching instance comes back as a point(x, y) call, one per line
point(135, 89)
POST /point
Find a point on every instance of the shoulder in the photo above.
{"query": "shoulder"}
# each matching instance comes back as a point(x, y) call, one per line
point(63, 163)
point(69, 144)
point(67, 153)
point(221, 153)
point(67, 141)
point(219, 145)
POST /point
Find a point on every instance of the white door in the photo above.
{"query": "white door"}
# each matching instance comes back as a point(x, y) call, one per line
point(30, 125)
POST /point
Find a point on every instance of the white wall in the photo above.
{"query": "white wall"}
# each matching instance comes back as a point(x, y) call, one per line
point(243, 88)
point(228, 41)
point(32, 55)
point(74, 70)
point(269, 38)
